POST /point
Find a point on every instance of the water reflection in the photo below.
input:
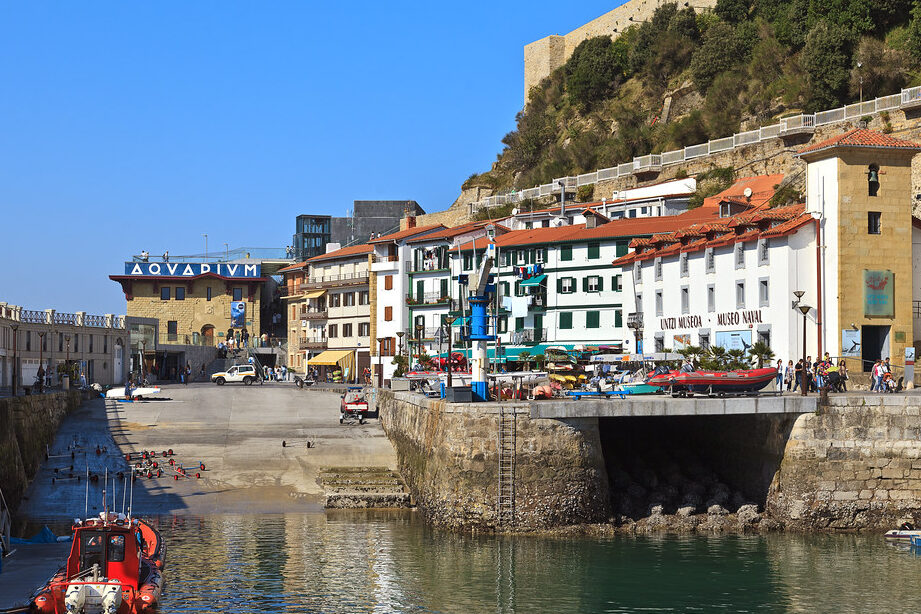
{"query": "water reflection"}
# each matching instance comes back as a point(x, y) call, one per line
point(393, 563)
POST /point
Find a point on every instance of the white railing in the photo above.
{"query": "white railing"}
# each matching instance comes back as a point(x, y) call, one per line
point(910, 96)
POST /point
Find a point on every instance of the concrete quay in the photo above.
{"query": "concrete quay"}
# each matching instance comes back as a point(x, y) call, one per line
point(661, 405)
point(236, 431)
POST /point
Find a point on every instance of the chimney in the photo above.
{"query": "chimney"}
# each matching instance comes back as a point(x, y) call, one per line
point(410, 221)
point(408, 217)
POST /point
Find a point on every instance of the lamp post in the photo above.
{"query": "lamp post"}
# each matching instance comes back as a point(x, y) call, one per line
point(804, 309)
point(400, 347)
point(446, 324)
point(41, 360)
point(419, 330)
point(380, 362)
point(205, 235)
point(14, 380)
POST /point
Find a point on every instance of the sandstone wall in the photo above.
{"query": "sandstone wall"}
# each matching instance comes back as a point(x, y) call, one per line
point(27, 425)
point(448, 455)
point(855, 464)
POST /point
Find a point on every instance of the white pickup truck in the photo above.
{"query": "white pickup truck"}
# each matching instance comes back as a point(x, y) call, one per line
point(237, 373)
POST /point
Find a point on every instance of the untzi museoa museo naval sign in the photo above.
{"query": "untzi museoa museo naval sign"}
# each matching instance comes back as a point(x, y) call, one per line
point(192, 269)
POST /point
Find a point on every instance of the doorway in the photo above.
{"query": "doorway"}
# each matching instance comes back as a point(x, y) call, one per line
point(874, 342)
point(207, 333)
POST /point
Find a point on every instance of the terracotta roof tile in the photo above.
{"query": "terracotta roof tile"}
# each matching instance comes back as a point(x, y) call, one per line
point(448, 233)
point(293, 267)
point(860, 137)
point(404, 234)
point(345, 252)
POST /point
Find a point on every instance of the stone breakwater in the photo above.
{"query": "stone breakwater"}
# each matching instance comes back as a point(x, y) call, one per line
point(854, 464)
point(448, 455)
point(27, 425)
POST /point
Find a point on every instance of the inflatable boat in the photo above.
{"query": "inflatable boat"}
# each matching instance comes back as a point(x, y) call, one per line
point(714, 382)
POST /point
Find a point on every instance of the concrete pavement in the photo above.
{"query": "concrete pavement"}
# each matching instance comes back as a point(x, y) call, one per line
point(235, 430)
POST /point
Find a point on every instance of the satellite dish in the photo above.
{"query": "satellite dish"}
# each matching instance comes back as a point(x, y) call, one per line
point(747, 192)
point(515, 211)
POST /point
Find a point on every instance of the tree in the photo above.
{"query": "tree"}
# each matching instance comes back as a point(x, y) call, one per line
point(827, 60)
point(913, 44)
point(717, 54)
point(716, 358)
point(761, 352)
point(737, 360)
point(525, 359)
point(693, 353)
point(592, 72)
point(732, 11)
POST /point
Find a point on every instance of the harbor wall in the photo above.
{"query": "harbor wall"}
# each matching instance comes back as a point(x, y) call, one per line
point(27, 425)
point(854, 464)
point(448, 455)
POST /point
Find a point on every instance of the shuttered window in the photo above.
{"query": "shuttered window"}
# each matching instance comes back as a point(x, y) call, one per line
point(618, 319)
point(566, 320)
point(388, 314)
point(566, 252)
point(592, 319)
point(594, 251)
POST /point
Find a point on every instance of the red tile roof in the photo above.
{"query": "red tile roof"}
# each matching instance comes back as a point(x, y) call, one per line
point(762, 187)
point(293, 267)
point(449, 233)
point(345, 252)
point(405, 234)
point(477, 243)
point(861, 137)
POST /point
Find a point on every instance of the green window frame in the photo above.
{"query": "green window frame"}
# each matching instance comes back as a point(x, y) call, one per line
point(621, 248)
point(519, 324)
point(468, 262)
point(566, 253)
point(617, 283)
point(559, 285)
point(565, 320)
point(505, 287)
point(444, 288)
point(618, 319)
point(594, 250)
point(519, 291)
point(598, 288)
point(592, 319)
point(503, 324)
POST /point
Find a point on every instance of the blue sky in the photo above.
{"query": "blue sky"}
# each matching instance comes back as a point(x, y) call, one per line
point(127, 126)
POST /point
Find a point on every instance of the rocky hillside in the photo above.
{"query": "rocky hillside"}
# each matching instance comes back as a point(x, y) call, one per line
point(684, 77)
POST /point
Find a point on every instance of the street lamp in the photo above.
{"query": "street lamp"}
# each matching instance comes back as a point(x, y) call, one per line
point(419, 329)
point(804, 309)
point(41, 360)
point(380, 362)
point(446, 327)
point(14, 380)
point(205, 235)
point(400, 337)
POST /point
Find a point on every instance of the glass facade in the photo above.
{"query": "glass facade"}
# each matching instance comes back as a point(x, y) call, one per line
point(312, 233)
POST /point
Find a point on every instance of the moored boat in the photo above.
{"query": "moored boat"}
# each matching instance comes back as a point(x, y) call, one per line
point(115, 567)
point(715, 382)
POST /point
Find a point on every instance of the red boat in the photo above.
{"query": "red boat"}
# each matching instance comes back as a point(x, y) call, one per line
point(714, 382)
point(115, 567)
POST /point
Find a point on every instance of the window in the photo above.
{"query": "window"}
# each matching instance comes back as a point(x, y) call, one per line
point(593, 283)
point(468, 262)
point(763, 296)
point(683, 263)
point(528, 225)
point(44, 343)
point(704, 341)
point(637, 273)
point(658, 302)
point(116, 549)
point(545, 224)
point(348, 300)
point(419, 323)
point(594, 251)
point(364, 329)
point(238, 294)
point(567, 285)
point(631, 213)
point(618, 319)
point(763, 246)
point(90, 350)
point(621, 248)
point(740, 256)
point(60, 342)
point(503, 324)
point(873, 179)
point(764, 336)
point(388, 282)
point(105, 344)
point(874, 223)
point(172, 329)
point(711, 298)
point(504, 287)
point(363, 298)
point(659, 343)
point(566, 253)
point(740, 295)
point(519, 324)
point(335, 300)
point(711, 260)
point(540, 256)
point(76, 343)
point(520, 256)
point(565, 320)
point(347, 330)
point(164, 294)
point(180, 294)
point(208, 293)
point(658, 267)
point(617, 283)
point(388, 314)
point(332, 331)
point(519, 291)
point(592, 319)
point(685, 300)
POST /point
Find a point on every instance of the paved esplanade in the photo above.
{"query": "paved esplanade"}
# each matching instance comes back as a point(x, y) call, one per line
point(662, 405)
point(235, 430)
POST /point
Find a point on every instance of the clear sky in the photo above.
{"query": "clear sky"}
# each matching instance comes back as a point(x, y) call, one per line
point(141, 125)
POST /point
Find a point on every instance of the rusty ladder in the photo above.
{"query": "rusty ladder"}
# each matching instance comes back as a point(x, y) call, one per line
point(508, 440)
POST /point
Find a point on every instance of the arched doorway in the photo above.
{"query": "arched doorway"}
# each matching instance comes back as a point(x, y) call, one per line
point(207, 333)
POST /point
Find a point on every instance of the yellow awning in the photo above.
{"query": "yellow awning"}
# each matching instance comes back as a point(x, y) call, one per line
point(315, 294)
point(331, 358)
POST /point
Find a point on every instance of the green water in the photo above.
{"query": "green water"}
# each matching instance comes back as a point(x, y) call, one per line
point(354, 562)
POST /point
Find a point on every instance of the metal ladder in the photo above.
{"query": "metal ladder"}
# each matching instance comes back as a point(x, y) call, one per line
point(508, 440)
point(6, 525)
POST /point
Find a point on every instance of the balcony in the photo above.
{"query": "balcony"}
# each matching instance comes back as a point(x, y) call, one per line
point(312, 314)
point(334, 281)
point(317, 343)
point(797, 125)
point(539, 302)
point(528, 336)
point(428, 299)
point(635, 320)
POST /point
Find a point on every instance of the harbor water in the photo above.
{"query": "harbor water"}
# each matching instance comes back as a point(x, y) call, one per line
point(390, 562)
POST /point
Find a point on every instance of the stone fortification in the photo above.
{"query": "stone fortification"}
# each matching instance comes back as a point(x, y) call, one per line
point(544, 56)
point(449, 456)
point(855, 464)
point(27, 425)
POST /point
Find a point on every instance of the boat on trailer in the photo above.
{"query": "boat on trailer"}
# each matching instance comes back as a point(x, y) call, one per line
point(119, 392)
point(115, 566)
point(743, 381)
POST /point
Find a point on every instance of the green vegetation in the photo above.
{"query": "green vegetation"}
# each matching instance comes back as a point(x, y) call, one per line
point(747, 62)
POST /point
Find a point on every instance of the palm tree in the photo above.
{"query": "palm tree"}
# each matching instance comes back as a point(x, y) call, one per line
point(761, 352)
point(692, 353)
point(716, 357)
point(737, 359)
point(540, 359)
point(525, 358)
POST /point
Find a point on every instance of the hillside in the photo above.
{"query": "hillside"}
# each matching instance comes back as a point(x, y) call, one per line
point(684, 77)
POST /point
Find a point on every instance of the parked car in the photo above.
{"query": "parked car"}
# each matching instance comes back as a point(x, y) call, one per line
point(237, 373)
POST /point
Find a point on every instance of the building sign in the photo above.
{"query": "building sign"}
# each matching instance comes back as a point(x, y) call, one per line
point(850, 342)
point(734, 339)
point(731, 318)
point(878, 294)
point(681, 322)
point(238, 314)
point(191, 269)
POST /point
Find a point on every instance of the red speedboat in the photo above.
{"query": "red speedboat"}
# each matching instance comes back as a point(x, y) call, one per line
point(115, 567)
point(714, 382)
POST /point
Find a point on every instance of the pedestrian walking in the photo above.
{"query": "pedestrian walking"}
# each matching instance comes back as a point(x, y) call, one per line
point(788, 375)
point(284, 373)
point(798, 376)
point(842, 371)
point(779, 375)
point(201, 372)
point(875, 376)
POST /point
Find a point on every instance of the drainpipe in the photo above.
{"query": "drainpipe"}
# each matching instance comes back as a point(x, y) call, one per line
point(820, 274)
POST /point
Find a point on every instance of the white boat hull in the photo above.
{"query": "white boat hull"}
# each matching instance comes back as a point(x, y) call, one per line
point(119, 393)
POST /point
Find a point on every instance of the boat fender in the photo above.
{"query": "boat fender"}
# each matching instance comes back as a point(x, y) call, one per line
point(201, 466)
point(170, 451)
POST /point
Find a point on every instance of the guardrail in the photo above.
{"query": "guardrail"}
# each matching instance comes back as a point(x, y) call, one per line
point(52, 317)
point(907, 98)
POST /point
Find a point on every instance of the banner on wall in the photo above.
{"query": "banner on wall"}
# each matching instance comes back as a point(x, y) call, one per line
point(850, 342)
point(878, 294)
point(734, 339)
point(680, 342)
point(238, 314)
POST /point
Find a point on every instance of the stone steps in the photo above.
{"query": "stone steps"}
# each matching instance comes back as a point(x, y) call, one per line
point(363, 487)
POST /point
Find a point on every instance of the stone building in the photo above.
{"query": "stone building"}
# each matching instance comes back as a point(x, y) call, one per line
point(29, 339)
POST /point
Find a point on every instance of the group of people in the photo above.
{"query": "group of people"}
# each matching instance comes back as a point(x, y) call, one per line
point(824, 373)
point(234, 340)
point(882, 378)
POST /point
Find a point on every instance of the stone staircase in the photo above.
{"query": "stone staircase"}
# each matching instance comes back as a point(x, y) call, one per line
point(363, 487)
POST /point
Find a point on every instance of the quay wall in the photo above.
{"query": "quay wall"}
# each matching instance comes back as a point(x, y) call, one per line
point(448, 455)
point(27, 425)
